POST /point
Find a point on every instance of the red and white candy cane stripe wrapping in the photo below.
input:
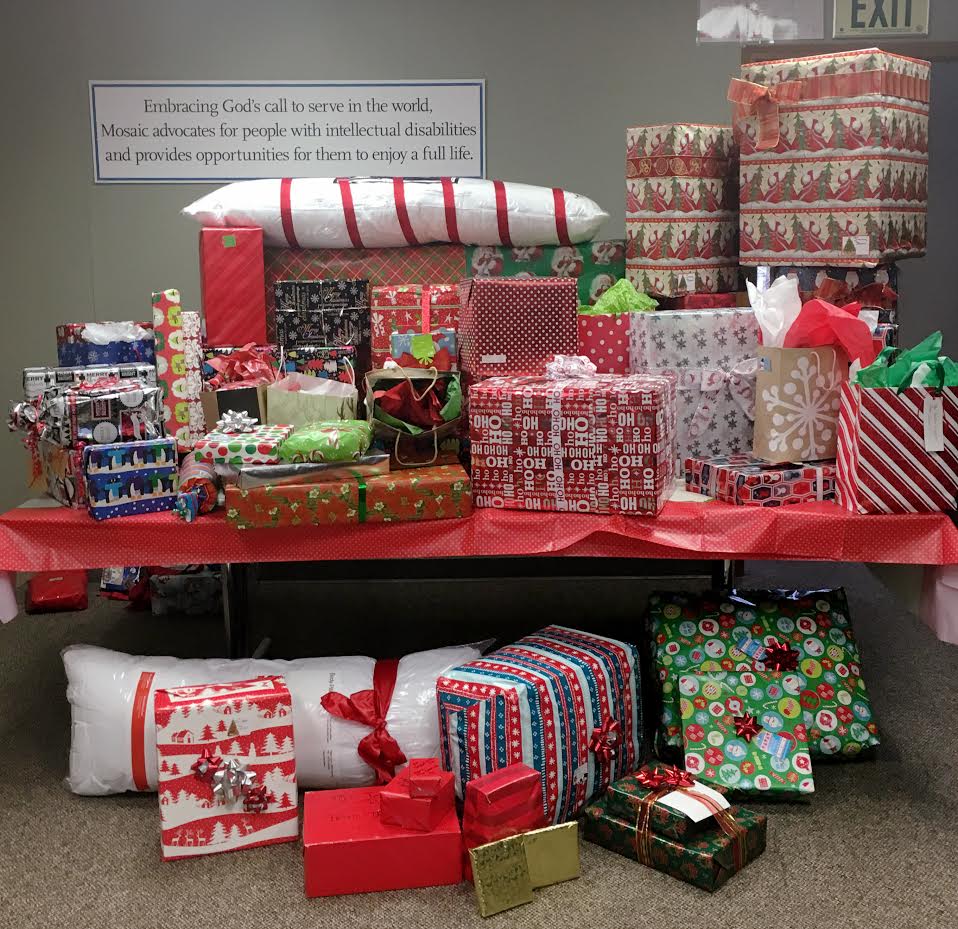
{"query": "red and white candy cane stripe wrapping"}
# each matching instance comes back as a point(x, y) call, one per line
point(326, 212)
point(883, 466)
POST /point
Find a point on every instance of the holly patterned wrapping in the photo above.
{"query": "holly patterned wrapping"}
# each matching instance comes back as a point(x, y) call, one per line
point(514, 326)
point(411, 309)
point(744, 480)
point(744, 731)
point(707, 861)
point(38, 379)
point(596, 266)
point(604, 340)
point(601, 444)
point(129, 478)
point(227, 767)
point(231, 280)
point(438, 492)
point(563, 702)
point(260, 446)
point(700, 633)
point(74, 348)
point(179, 360)
point(841, 175)
point(436, 349)
point(712, 353)
point(680, 209)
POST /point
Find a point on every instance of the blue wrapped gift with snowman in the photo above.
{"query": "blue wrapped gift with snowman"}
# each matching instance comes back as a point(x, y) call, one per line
point(130, 478)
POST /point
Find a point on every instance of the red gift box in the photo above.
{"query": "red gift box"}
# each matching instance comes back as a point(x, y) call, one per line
point(57, 592)
point(422, 811)
point(605, 341)
point(410, 308)
point(232, 279)
point(348, 849)
point(515, 325)
point(426, 777)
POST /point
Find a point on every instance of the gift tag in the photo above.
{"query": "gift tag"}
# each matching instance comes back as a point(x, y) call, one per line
point(933, 420)
point(763, 277)
point(861, 244)
point(685, 802)
point(689, 279)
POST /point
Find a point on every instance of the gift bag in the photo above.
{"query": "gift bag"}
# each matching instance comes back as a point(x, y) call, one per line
point(299, 399)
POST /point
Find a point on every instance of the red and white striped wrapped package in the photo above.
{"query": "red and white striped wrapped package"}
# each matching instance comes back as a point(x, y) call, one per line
point(897, 452)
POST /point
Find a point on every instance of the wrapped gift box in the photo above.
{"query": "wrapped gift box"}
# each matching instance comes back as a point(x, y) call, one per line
point(436, 349)
point(813, 189)
point(325, 294)
point(868, 286)
point(129, 478)
point(411, 309)
point(248, 398)
point(712, 354)
point(707, 862)
point(348, 849)
point(398, 806)
point(227, 767)
point(518, 704)
point(604, 340)
point(59, 471)
point(336, 363)
point(601, 444)
point(38, 379)
point(260, 446)
point(744, 731)
point(688, 632)
point(426, 777)
point(514, 326)
point(232, 283)
point(743, 479)
point(596, 265)
point(436, 492)
point(75, 348)
point(680, 209)
point(268, 354)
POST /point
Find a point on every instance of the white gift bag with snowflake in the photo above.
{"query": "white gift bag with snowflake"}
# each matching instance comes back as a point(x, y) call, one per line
point(798, 395)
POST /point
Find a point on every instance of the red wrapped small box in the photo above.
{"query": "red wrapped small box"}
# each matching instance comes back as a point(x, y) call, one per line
point(410, 309)
point(426, 777)
point(604, 340)
point(399, 806)
point(57, 592)
point(515, 325)
point(232, 278)
point(347, 849)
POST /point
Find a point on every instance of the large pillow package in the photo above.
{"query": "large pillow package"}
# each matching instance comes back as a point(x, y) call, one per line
point(326, 212)
point(113, 745)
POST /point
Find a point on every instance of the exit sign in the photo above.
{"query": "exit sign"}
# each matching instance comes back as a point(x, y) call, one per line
point(854, 18)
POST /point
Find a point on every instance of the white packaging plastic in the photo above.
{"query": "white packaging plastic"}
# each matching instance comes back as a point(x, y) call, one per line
point(102, 686)
point(312, 212)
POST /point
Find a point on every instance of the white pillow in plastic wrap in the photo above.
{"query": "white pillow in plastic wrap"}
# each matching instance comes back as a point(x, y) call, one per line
point(318, 220)
point(102, 684)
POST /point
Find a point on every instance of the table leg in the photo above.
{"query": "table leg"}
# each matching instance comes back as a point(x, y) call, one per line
point(236, 609)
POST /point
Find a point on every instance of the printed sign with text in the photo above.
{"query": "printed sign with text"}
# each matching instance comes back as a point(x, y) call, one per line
point(855, 18)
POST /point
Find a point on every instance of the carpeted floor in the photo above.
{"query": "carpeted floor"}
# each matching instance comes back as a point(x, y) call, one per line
point(876, 847)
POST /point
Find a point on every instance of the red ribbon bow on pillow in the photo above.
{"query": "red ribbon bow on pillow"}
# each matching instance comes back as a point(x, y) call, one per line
point(605, 740)
point(747, 727)
point(763, 100)
point(780, 656)
point(378, 749)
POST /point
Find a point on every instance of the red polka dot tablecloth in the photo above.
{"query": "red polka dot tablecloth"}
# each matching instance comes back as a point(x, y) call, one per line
point(53, 539)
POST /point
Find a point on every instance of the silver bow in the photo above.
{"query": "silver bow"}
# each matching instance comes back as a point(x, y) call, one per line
point(234, 421)
point(231, 781)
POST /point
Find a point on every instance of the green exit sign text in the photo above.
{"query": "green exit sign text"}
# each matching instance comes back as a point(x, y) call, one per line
point(855, 18)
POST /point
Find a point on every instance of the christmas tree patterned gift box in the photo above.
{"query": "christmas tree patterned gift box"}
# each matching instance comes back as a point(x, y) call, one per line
point(259, 445)
point(714, 632)
point(745, 731)
point(130, 478)
point(835, 169)
point(227, 767)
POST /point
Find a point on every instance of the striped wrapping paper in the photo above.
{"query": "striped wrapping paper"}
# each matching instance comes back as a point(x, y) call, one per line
point(545, 701)
point(883, 465)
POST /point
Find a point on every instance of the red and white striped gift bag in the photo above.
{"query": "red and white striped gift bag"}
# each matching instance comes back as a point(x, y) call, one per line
point(884, 462)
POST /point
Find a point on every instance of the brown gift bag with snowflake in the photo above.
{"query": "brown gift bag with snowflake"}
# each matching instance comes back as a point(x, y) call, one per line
point(797, 397)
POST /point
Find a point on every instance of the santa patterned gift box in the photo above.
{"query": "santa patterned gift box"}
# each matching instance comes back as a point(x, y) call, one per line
point(600, 444)
point(596, 266)
point(712, 633)
point(227, 767)
point(410, 309)
point(835, 170)
point(742, 479)
point(514, 326)
point(712, 354)
point(566, 703)
point(260, 445)
point(129, 478)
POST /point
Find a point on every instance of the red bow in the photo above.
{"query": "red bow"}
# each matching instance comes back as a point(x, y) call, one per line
point(747, 727)
point(666, 776)
point(840, 293)
point(378, 749)
point(206, 765)
point(257, 799)
point(763, 100)
point(243, 367)
point(780, 656)
point(605, 740)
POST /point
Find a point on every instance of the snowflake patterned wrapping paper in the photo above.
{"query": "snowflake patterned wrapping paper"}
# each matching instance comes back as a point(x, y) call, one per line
point(702, 632)
point(712, 353)
point(410, 309)
point(744, 731)
point(564, 702)
point(680, 209)
point(601, 444)
point(436, 492)
point(705, 861)
point(129, 478)
point(75, 348)
point(261, 446)
point(838, 173)
point(513, 326)
point(227, 777)
point(596, 265)
point(797, 396)
point(744, 480)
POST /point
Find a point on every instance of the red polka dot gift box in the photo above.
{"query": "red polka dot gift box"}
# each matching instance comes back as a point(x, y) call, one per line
point(604, 340)
point(511, 326)
point(258, 446)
